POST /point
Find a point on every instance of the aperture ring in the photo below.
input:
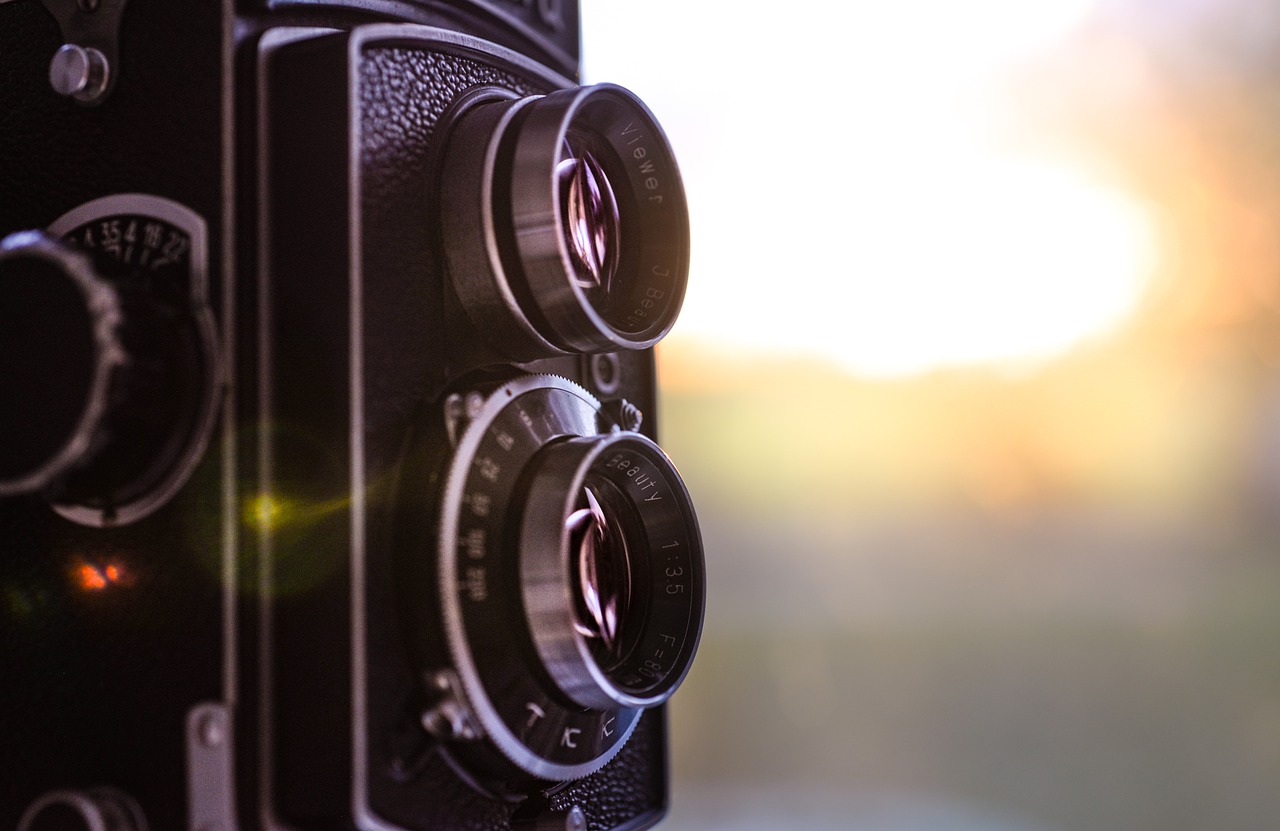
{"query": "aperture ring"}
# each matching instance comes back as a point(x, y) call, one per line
point(534, 727)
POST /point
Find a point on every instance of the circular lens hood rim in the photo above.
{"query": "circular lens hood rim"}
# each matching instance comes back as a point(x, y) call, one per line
point(545, 571)
point(540, 226)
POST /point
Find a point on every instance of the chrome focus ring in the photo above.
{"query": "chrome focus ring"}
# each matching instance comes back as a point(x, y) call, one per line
point(566, 228)
point(531, 726)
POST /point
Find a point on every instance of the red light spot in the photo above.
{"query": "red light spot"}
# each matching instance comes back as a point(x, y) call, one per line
point(89, 578)
point(95, 577)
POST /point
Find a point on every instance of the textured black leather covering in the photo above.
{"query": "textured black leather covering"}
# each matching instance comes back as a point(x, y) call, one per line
point(404, 90)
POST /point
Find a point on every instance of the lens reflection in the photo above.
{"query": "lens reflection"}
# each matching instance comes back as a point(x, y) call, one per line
point(599, 551)
point(589, 211)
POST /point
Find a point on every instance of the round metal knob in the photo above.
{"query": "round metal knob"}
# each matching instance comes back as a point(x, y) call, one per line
point(79, 72)
point(60, 355)
point(96, 809)
point(107, 382)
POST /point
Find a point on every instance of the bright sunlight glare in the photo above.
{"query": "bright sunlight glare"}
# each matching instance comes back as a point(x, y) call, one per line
point(876, 218)
point(987, 261)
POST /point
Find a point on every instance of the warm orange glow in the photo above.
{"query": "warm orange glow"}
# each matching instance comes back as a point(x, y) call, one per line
point(90, 578)
point(895, 228)
point(977, 390)
point(99, 576)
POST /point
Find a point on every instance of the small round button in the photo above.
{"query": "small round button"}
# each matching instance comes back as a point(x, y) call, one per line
point(79, 72)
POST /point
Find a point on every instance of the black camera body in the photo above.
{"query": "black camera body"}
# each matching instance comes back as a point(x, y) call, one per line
point(329, 491)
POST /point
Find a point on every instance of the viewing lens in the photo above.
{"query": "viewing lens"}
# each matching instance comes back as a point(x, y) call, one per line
point(591, 223)
point(565, 222)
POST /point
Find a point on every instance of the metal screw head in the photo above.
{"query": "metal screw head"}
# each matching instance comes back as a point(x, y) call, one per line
point(79, 72)
point(211, 731)
point(545, 819)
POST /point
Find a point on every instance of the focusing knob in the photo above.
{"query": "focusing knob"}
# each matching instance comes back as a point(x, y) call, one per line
point(107, 380)
point(60, 360)
point(95, 809)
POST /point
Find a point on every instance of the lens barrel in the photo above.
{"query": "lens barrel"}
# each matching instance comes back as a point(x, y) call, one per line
point(565, 224)
point(571, 576)
point(611, 570)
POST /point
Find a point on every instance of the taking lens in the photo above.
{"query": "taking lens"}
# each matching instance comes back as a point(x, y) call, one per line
point(611, 570)
point(565, 223)
point(569, 574)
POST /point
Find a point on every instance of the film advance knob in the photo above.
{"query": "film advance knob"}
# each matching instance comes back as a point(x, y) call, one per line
point(95, 809)
point(60, 358)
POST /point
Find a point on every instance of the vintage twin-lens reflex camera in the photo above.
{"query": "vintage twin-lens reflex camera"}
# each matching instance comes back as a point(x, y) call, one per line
point(329, 495)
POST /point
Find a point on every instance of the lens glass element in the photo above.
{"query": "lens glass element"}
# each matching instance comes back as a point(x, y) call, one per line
point(611, 570)
point(591, 222)
point(602, 558)
point(570, 574)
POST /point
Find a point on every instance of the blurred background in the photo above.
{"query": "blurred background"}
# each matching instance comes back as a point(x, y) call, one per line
point(977, 388)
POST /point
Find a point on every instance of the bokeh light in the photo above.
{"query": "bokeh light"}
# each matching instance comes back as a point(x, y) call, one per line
point(868, 201)
point(96, 574)
point(977, 389)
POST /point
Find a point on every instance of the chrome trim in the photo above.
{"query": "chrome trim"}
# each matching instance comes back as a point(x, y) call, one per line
point(103, 304)
point(267, 44)
point(477, 700)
